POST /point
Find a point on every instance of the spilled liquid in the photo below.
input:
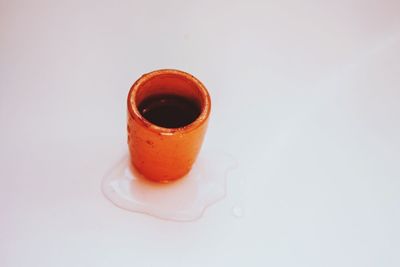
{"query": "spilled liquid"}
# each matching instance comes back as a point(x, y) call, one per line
point(169, 111)
point(183, 200)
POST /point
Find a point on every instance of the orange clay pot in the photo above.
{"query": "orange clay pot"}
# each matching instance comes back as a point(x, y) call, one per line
point(166, 154)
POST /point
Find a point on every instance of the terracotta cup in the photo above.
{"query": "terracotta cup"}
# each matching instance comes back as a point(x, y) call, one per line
point(165, 154)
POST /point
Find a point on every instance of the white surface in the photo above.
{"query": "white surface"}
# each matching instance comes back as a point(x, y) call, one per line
point(305, 95)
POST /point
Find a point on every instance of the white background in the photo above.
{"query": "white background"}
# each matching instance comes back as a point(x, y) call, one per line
point(306, 97)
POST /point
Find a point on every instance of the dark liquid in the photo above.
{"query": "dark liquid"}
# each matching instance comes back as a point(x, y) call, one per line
point(169, 111)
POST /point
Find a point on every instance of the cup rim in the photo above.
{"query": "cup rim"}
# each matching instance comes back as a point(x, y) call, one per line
point(137, 116)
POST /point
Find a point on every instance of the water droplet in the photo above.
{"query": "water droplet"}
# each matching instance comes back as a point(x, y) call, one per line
point(182, 200)
point(237, 211)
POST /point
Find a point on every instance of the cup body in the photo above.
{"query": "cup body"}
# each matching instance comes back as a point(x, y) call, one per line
point(165, 154)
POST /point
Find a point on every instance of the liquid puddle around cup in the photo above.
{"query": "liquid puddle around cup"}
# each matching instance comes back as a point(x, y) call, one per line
point(183, 200)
